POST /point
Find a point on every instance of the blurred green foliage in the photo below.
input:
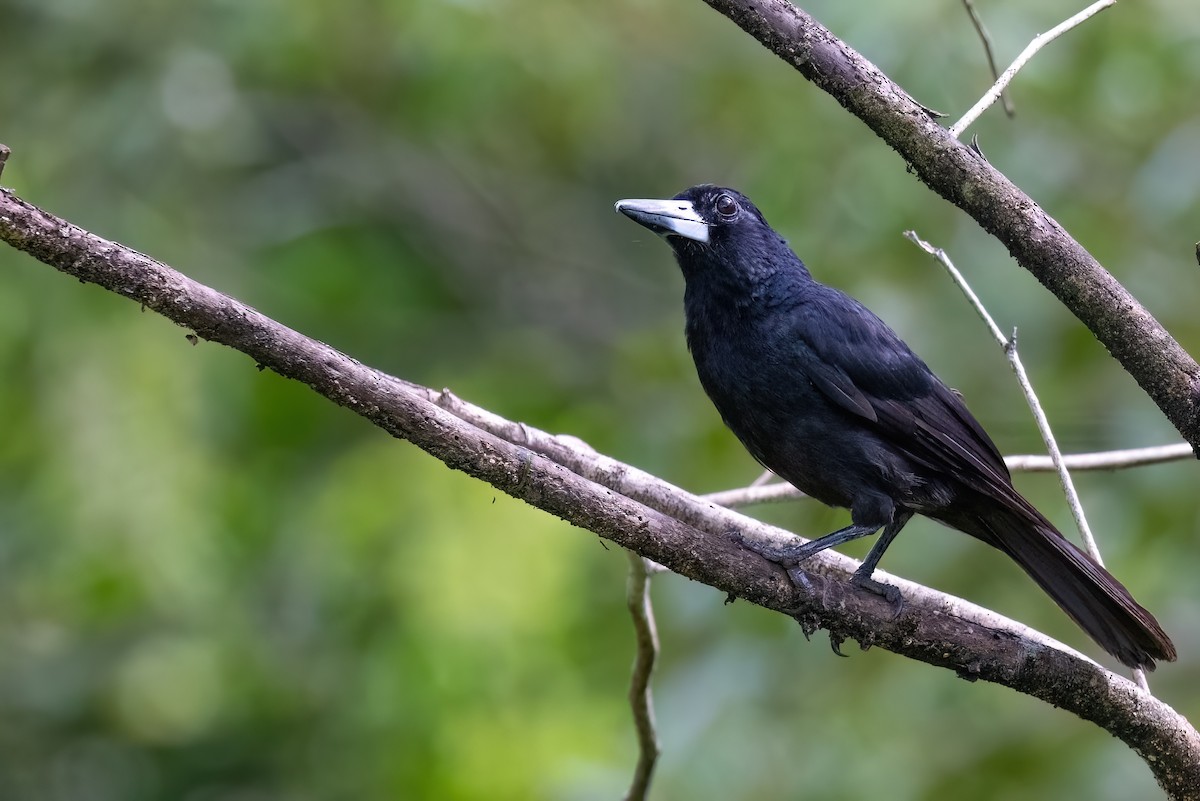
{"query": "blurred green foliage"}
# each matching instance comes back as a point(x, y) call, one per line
point(217, 587)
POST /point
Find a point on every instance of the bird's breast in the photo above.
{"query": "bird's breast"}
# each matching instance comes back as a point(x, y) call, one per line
point(760, 385)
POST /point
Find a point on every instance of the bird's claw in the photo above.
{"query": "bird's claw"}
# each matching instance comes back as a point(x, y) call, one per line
point(888, 592)
point(800, 579)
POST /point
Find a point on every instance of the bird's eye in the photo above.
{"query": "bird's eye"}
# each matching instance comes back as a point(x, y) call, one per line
point(726, 206)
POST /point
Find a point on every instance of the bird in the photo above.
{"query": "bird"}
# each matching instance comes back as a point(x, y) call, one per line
point(827, 396)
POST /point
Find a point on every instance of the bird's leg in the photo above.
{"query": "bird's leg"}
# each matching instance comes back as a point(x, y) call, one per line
point(862, 576)
point(789, 555)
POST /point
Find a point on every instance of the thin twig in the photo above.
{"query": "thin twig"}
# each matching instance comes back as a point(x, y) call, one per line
point(1103, 460)
point(637, 595)
point(986, 38)
point(1039, 414)
point(763, 479)
point(1009, 345)
point(754, 494)
point(1039, 41)
point(1018, 463)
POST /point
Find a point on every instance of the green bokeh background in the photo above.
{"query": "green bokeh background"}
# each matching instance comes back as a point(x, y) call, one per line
point(216, 586)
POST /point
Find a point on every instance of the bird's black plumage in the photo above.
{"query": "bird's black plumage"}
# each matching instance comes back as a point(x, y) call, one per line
point(827, 396)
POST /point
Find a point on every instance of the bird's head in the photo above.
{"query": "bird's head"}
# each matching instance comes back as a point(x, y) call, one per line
point(713, 227)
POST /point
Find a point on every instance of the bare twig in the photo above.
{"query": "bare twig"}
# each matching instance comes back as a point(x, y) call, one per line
point(637, 595)
point(1039, 41)
point(986, 38)
point(763, 479)
point(1018, 463)
point(1009, 346)
point(754, 494)
point(1103, 460)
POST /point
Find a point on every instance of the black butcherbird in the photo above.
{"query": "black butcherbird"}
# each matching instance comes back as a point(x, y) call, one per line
point(827, 396)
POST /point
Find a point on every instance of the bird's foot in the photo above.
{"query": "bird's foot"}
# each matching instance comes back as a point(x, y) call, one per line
point(789, 556)
point(890, 593)
point(781, 555)
point(800, 579)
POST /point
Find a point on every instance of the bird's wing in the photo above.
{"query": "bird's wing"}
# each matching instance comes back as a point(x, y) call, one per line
point(939, 431)
point(859, 364)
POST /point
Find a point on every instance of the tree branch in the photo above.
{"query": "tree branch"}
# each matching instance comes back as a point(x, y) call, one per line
point(691, 538)
point(1164, 370)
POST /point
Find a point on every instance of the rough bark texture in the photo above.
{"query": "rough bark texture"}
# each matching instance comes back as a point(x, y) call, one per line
point(665, 524)
point(1164, 370)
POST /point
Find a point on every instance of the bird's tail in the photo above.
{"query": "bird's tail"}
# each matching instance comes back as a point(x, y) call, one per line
point(1087, 592)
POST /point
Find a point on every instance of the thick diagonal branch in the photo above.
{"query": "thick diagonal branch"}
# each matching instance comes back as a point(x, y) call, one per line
point(1167, 373)
point(935, 628)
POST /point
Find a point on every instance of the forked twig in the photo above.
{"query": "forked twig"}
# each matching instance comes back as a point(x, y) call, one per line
point(1039, 41)
point(986, 38)
point(1009, 345)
